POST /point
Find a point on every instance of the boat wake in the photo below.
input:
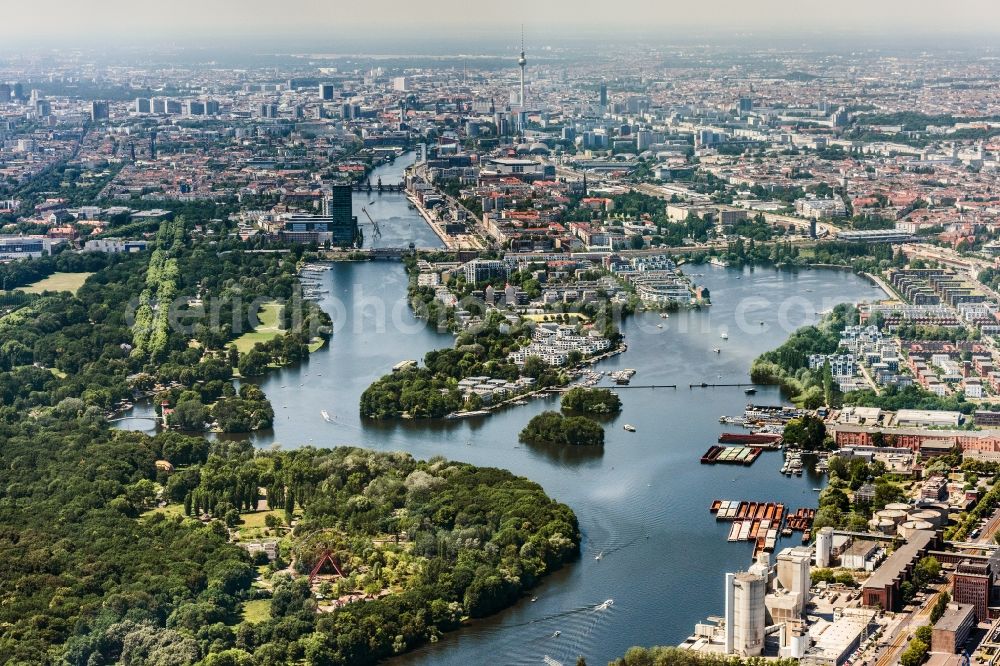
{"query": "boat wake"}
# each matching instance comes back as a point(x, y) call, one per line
point(561, 636)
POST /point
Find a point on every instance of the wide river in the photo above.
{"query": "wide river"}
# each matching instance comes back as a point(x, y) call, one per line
point(642, 502)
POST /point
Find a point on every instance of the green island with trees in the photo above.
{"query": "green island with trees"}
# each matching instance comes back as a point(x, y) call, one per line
point(431, 390)
point(555, 428)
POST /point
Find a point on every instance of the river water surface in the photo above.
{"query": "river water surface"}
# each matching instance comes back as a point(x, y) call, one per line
point(642, 501)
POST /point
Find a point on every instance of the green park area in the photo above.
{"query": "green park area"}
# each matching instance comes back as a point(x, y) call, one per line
point(266, 330)
point(70, 282)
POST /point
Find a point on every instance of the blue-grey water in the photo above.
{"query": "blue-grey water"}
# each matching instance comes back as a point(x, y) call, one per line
point(398, 223)
point(642, 501)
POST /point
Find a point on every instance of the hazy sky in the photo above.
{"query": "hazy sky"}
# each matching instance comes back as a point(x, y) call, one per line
point(354, 19)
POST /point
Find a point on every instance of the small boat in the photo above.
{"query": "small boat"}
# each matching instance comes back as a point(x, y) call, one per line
point(599, 556)
point(326, 415)
point(629, 427)
point(717, 350)
point(750, 391)
point(659, 326)
point(724, 336)
point(557, 634)
point(817, 490)
point(605, 605)
point(664, 315)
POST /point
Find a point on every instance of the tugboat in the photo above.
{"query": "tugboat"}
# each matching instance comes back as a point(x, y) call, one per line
point(629, 427)
point(750, 391)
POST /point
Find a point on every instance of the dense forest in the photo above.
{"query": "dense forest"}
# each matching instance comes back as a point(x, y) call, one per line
point(97, 574)
point(123, 548)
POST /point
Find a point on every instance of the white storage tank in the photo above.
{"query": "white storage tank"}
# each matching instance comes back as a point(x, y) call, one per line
point(886, 527)
point(895, 515)
point(932, 517)
point(911, 526)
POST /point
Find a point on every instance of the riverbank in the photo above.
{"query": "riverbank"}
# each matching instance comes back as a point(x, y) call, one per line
point(641, 498)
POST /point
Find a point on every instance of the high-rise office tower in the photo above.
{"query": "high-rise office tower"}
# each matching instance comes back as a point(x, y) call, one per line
point(143, 105)
point(339, 207)
point(326, 92)
point(211, 107)
point(99, 111)
point(604, 93)
point(4, 93)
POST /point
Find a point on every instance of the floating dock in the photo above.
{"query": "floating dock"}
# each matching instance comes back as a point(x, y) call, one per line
point(758, 522)
point(731, 455)
point(801, 521)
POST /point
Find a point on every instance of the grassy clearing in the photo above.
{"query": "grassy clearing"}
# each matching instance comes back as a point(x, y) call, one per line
point(266, 330)
point(170, 510)
point(70, 282)
point(257, 610)
point(256, 519)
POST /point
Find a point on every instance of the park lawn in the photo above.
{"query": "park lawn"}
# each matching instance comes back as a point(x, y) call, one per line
point(70, 282)
point(170, 511)
point(256, 518)
point(266, 330)
point(258, 610)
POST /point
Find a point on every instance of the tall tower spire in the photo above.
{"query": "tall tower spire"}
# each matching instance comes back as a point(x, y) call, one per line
point(521, 62)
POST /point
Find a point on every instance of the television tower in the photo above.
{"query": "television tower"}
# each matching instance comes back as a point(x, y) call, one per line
point(521, 62)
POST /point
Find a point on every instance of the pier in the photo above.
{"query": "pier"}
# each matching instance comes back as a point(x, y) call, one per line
point(707, 385)
point(645, 386)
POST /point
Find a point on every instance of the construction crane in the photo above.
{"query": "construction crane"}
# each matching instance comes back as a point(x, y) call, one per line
point(378, 232)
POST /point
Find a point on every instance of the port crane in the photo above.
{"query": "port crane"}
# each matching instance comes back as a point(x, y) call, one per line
point(378, 232)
